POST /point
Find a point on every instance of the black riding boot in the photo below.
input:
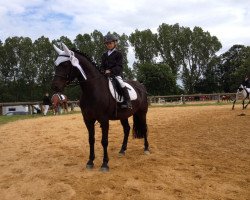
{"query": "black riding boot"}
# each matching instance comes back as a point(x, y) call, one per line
point(127, 102)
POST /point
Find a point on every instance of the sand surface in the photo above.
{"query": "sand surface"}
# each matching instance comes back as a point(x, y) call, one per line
point(196, 153)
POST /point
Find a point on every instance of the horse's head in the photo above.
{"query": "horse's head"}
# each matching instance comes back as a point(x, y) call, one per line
point(67, 69)
point(241, 88)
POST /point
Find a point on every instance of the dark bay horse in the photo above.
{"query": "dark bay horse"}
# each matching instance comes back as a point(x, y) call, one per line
point(97, 104)
point(59, 101)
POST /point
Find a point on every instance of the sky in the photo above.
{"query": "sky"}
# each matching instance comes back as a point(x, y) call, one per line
point(228, 20)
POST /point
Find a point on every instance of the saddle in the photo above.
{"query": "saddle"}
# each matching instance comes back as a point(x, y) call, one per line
point(115, 90)
point(61, 97)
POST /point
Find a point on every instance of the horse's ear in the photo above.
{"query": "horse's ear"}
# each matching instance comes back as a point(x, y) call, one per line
point(66, 49)
point(59, 51)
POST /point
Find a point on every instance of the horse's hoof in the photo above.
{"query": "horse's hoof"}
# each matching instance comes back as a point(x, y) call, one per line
point(146, 152)
point(121, 153)
point(90, 165)
point(104, 168)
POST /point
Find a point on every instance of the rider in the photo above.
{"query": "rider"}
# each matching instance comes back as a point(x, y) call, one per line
point(112, 65)
point(245, 83)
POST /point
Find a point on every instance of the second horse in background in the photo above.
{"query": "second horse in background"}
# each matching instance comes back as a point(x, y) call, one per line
point(59, 103)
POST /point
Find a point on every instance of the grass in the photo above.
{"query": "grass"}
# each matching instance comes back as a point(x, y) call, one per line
point(12, 118)
point(7, 119)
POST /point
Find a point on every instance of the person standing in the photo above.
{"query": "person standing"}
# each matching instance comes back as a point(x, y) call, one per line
point(46, 103)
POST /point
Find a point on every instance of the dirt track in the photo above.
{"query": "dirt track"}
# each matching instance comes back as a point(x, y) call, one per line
point(196, 153)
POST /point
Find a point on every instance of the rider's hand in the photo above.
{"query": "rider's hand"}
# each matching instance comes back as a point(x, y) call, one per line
point(107, 71)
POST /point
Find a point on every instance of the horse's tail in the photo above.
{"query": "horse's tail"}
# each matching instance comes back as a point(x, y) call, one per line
point(139, 126)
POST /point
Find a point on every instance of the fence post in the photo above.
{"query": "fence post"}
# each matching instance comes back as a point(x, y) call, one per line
point(183, 99)
point(72, 106)
point(218, 98)
point(1, 110)
point(30, 109)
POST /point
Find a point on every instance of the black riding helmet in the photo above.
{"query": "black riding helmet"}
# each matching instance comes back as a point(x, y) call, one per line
point(110, 38)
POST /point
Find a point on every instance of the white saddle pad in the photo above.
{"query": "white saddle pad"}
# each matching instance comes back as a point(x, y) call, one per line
point(62, 96)
point(131, 92)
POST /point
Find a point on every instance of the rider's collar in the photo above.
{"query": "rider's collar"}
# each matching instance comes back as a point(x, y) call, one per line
point(111, 51)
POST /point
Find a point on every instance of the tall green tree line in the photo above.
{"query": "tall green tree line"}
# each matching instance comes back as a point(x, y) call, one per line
point(173, 55)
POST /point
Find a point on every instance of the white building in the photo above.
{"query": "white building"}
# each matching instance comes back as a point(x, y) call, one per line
point(12, 110)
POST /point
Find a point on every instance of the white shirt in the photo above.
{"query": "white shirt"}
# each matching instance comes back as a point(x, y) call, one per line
point(111, 51)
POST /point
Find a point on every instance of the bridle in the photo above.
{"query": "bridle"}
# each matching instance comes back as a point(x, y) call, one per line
point(67, 77)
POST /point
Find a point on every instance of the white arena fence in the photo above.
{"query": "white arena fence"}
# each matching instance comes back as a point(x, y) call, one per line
point(153, 100)
point(28, 107)
point(191, 99)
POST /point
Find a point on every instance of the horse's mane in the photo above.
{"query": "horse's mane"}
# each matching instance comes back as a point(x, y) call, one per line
point(87, 57)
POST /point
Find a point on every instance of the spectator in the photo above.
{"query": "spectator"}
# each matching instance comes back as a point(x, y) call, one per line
point(46, 103)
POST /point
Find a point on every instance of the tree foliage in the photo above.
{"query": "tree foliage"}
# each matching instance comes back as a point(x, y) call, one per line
point(171, 55)
point(234, 66)
point(157, 78)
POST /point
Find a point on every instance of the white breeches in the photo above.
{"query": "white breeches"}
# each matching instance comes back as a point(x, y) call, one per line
point(45, 109)
point(119, 79)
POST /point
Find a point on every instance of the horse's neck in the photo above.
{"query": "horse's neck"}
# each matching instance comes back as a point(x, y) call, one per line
point(96, 85)
point(89, 68)
point(94, 76)
point(248, 90)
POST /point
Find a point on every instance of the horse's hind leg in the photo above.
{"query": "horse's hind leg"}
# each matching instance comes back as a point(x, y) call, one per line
point(247, 104)
point(140, 129)
point(236, 98)
point(126, 129)
point(66, 107)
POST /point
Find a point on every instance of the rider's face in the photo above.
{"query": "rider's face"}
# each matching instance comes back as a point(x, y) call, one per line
point(110, 45)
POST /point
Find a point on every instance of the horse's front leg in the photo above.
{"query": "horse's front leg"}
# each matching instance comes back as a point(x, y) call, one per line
point(243, 103)
point(105, 129)
point(126, 129)
point(55, 110)
point(236, 98)
point(90, 124)
point(233, 104)
point(66, 107)
point(247, 103)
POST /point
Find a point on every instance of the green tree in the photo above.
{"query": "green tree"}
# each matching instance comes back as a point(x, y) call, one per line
point(210, 82)
point(98, 46)
point(187, 50)
point(27, 69)
point(44, 57)
point(157, 78)
point(144, 45)
point(85, 44)
point(234, 66)
point(17, 70)
point(170, 39)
